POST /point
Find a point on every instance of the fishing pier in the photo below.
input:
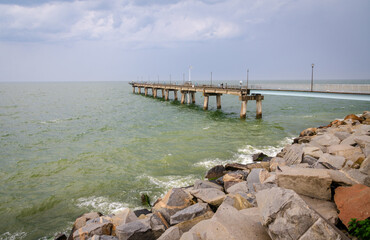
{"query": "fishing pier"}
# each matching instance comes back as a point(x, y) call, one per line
point(188, 91)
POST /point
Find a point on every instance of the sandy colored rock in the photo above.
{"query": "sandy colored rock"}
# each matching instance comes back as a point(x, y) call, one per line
point(326, 209)
point(209, 195)
point(353, 202)
point(187, 225)
point(306, 181)
point(198, 184)
point(189, 213)
point(173, 233)
point(277, 162)
point(348, 152)
point(353, 117)
point(308, 132)
point(365, 166)
point(325, 140)
point(237, 201)
point(232, 178)
point(215, 172)
point(92, 229)
point(241, 187)
point(294, 154)
point(312, 151)
point(336, 161)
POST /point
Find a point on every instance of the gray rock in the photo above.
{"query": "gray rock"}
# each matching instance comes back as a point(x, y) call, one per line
point(312, 151)
point(81, 221)
point(175, 200)
point(92, 229)
point(326, 209)
point(348, 152)
point(139, 229)
point(226, 225)
point(189, 213)
point(342, 135)
point(103, 237)
point(187, 225)
point(294, 154)
point(357, 175)
point(341, 178)
point(335, 161)
point(241, 187)
point(362, 141)
point(237, 201)
point(173, 233)
point(215, 172)
point(365, 166)
point(287, 216)
point(277, 162)
point(102, 219)
point(254, 178)
point(233, 178)
point(209, 195)
point(309, 160)
point(348, 141)
point(325, 140)
point(207, 184)
point(261, 186)
point(321, 230)
point(306, 181)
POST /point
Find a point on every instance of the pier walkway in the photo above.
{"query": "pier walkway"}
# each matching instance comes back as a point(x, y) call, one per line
point(188, 91)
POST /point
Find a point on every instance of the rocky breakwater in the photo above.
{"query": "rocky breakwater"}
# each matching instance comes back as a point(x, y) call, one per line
point(310, 190)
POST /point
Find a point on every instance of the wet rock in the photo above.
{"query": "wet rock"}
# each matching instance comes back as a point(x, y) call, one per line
point(92, 229)
point(335, 161)
point(308, 132)
point(209, 195)
point(141, 211)
point(348, 152)
point(60, 236)
point(215, 172)
point(353, 117)
point(287, 216)
point(294, 154)
point(175, 200)
point(236, 166)
point(207, 184)
point(189, 213)
point(173, 233)
point(306, 181)
point(259, 157)
point(326, 209)
point(353, 202)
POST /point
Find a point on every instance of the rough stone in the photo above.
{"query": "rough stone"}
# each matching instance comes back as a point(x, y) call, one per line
point(187, 225)
point(189, 213)
point(365, 166)
point(139, 229)
point(254, 178)
point(312, 151)
point(265, 165)
point(348, 152)
point(362, 141)
point(326, 209)
point(353, 117)
point(225, 225)
point(259, 157)
point(357, 176)
point(237, 201)
point(241, 187)
point(215, 172)
point(342, 135)
point(173, 233)
point(287, 216)
point(353, 202)
point(326, 140)
point(81, 221)
point(60, 236)
point(308, 132)
point(309, 160)
point(294, 154)
point(103, 237)
point(175, 200)
point(341, 178)
point(92, 229)
point(236, 166)
point(209, 195)
point(309, 182)
point(321, 230)
point(335, 161)
point(232, 178)
point(207, 184)
point(140, 212)
point(277, 162)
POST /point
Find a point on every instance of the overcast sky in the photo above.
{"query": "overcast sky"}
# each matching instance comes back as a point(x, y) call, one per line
point(111, 40)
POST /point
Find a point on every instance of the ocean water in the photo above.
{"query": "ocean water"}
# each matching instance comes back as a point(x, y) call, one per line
point(70, 148)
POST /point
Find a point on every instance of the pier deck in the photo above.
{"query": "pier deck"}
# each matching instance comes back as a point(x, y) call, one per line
point(188, 92)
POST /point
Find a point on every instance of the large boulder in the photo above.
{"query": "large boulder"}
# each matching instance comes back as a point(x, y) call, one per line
point(277, 162)
point(215, 172)
point(173, 233)
point(237, 201)
point(187, 225)
point(175, 200)
point(212, 196)
point(256, 176)
point(103, 237)
point(326, 209)
point(81, 221)
point(357, 176)
point(353, 117)
point(336, 161)
point(226, 225)
point(306, 181)
point(325, 140)
point(189, 213)
point(365, 166)
point(287, 216)
point(92, 229)
point(353, 202)
point(312, 151)
point(294, 154)
point(241, 187)
point(207, 184)
point(348, 152)
point(232, 178)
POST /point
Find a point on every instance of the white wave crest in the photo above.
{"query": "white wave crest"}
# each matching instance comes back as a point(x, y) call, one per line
point(168, 182)
point(13, 236)
point(100, 204)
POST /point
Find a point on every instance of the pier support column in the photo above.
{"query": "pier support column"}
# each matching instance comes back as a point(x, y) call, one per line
point(188, 97)
point(243, 110)
point(139, 90)
point(258, 106)
point(154, 92)
point(175, 94)
point(162, 93)
point(206, 99)
point(166, 95)
point(218, 100)
point(193, 97)
point(133, 89)
point(146, 91)
point(183, 97)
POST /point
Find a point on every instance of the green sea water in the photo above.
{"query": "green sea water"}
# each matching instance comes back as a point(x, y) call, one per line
point(70, 148)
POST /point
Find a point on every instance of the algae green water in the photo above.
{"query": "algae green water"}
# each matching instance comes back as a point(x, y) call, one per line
point(69, 148)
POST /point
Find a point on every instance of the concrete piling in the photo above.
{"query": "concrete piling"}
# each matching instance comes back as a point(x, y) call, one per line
point(258, 106)
point(166, 95)
point(243, 110)
point(218, 100)
point(206, 100)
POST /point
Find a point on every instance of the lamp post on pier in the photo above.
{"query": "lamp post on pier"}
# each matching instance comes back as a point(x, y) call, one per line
point(312, 77)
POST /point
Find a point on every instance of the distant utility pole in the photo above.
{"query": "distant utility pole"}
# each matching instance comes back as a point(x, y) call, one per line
point(312, 77)
point(247, 77)
point(211, 79)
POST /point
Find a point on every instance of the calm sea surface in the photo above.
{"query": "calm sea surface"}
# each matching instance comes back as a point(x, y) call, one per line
point(70, 148)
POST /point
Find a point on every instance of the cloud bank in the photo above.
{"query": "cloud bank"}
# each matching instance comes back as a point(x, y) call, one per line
point(126, 22)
